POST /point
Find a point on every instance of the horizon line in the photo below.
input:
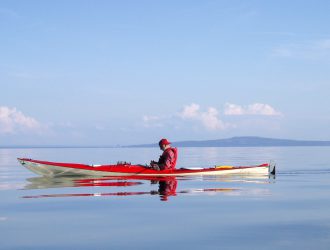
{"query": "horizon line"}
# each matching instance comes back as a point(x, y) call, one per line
point(175, 142)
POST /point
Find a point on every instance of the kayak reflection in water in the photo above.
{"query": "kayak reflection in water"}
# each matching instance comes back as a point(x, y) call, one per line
point(166, 187)
point(169, 157)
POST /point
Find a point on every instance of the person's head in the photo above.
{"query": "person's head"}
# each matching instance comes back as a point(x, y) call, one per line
point(164, 144)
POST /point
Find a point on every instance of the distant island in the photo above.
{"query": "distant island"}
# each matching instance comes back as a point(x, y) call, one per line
point(243, 141)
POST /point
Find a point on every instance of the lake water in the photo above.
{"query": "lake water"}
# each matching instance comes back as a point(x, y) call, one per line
point(291, 211)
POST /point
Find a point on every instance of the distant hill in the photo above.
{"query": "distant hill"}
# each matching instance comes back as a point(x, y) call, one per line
point(244, 141)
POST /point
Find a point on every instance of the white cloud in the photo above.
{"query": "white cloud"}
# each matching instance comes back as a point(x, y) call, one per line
point(323, 44)
point(100, 127)
point(153, 121)
point(252, 109)
point(282, 52)
point(13, 120)
point(233, 109)
point(190, 111)
point(149, 118)
point(314, 49)
point(209, 118)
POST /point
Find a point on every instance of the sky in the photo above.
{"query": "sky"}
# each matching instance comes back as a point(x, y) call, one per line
point(130, 72)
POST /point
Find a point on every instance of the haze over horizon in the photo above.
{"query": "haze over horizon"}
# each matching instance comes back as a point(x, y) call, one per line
point(132, 72)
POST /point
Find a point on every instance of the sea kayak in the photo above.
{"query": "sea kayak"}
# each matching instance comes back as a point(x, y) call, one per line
point(52, 169)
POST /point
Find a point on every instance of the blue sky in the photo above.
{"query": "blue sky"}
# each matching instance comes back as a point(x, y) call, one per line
point(126, 72)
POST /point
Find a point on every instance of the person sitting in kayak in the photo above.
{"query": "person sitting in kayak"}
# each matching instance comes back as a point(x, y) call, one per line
point(168, 159)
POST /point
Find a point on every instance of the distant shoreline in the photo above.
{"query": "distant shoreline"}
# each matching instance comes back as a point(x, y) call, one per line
point(245, 141)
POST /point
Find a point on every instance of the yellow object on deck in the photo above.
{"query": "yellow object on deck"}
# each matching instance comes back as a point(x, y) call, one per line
point(226, 167)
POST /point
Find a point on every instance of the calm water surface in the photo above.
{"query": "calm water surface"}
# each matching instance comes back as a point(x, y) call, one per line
point(291, 211)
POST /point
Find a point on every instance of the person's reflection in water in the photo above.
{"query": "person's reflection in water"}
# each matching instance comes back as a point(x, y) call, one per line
point(166, 187)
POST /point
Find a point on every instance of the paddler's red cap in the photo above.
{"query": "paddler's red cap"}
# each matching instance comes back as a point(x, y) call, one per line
point(164, 142)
